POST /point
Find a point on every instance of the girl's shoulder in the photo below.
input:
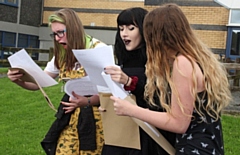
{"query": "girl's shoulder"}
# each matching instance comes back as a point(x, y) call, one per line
point(182, 62)
point(97, 43)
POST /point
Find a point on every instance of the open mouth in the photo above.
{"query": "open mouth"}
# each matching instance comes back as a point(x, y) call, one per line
point(63, 43)
point(126, 42)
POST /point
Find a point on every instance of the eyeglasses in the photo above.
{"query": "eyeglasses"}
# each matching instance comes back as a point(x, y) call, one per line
point(60, 34)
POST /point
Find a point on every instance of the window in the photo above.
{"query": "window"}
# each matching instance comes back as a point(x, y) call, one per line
point(233, 35)
point(10, 2)
point(233, 43)
point(33, 41)
point(28, 41)
point(22, 40)
point(1, 37)
point(234, 18)
point(7, 39)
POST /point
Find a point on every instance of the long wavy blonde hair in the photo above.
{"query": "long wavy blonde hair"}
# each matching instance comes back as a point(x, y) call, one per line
point(167, 28)
point(75, 37)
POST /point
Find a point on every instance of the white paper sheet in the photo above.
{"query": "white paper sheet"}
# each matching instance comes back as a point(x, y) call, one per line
point(103, 89)
point(81, 86)
point(21, 59)
point(116, 89)
point(94, 60)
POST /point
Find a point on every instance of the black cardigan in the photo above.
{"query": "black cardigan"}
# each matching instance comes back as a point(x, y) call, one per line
point(86, 129)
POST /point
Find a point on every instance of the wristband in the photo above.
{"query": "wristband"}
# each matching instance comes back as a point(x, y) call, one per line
point(132, 85)
point(88, 101)
point(127, 81)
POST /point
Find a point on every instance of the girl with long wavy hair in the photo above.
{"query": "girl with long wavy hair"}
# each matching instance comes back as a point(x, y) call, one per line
point(185, 78)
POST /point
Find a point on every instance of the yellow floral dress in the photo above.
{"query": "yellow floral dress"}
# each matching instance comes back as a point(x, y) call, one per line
point(68, 142)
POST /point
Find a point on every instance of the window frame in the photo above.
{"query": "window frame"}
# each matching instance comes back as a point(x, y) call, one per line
point(230, 18)
point(6, 2)
point(3, 39)
point(229, 42)
point(28, 40)
point(6, 53)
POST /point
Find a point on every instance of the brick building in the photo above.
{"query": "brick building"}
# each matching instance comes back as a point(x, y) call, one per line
point(23, 23)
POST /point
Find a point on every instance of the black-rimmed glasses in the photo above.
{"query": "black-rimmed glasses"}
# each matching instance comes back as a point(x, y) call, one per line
point(60, 34)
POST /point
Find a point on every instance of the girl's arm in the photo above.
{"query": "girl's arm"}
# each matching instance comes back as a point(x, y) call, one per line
point(178, 121)
point(15, 75)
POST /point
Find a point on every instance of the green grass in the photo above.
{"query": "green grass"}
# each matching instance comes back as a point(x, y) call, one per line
point(3, 70)
point(231, 134)
point(25, 118)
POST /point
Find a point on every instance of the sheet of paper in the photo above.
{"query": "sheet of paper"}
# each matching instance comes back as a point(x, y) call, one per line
point(21, 59)
point(81, 86)
point(116, 89)
point(94, 60)
point(103, 89)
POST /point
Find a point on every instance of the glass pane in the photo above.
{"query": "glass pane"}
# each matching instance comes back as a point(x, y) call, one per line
point(9, 39)
point(33, 41)
point(235, 17)
point(1, 37)
point(22, 40)
point(235, 46)
point(12, 1)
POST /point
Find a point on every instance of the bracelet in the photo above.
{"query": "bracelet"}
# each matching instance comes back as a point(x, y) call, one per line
point(127, 81)
point(88, 101)
point(133, 84)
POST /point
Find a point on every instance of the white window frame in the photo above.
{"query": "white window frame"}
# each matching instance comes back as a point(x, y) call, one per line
point(232, 15)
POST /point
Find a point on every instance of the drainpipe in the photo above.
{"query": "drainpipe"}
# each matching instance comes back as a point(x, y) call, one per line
point(18, 19)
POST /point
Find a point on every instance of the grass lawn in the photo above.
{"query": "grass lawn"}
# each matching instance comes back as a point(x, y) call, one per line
point(3, 70)
point(25, 118)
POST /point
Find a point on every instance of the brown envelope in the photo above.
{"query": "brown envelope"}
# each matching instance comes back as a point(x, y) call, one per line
point(153, 132)
point(28, 78)
point(118, 130)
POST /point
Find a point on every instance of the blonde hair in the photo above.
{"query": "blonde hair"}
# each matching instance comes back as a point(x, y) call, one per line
point(166, 28)
point(75, 37)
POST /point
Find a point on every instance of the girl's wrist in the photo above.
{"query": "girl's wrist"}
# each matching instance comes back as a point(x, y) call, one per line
point(133, 80)
point(92, 100)
point(129, 80)
point(88, 101)
point(126, 83)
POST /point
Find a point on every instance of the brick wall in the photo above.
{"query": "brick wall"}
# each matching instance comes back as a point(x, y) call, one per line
point(92, 4)
point(211, 20)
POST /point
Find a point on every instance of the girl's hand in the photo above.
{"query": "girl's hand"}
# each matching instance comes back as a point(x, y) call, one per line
point(117, 74)
point(77, 101)
point(122, 107)
point(14, 75)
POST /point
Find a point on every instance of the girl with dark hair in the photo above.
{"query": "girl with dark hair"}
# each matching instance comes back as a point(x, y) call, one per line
point(186, 79)
point(130, 49)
